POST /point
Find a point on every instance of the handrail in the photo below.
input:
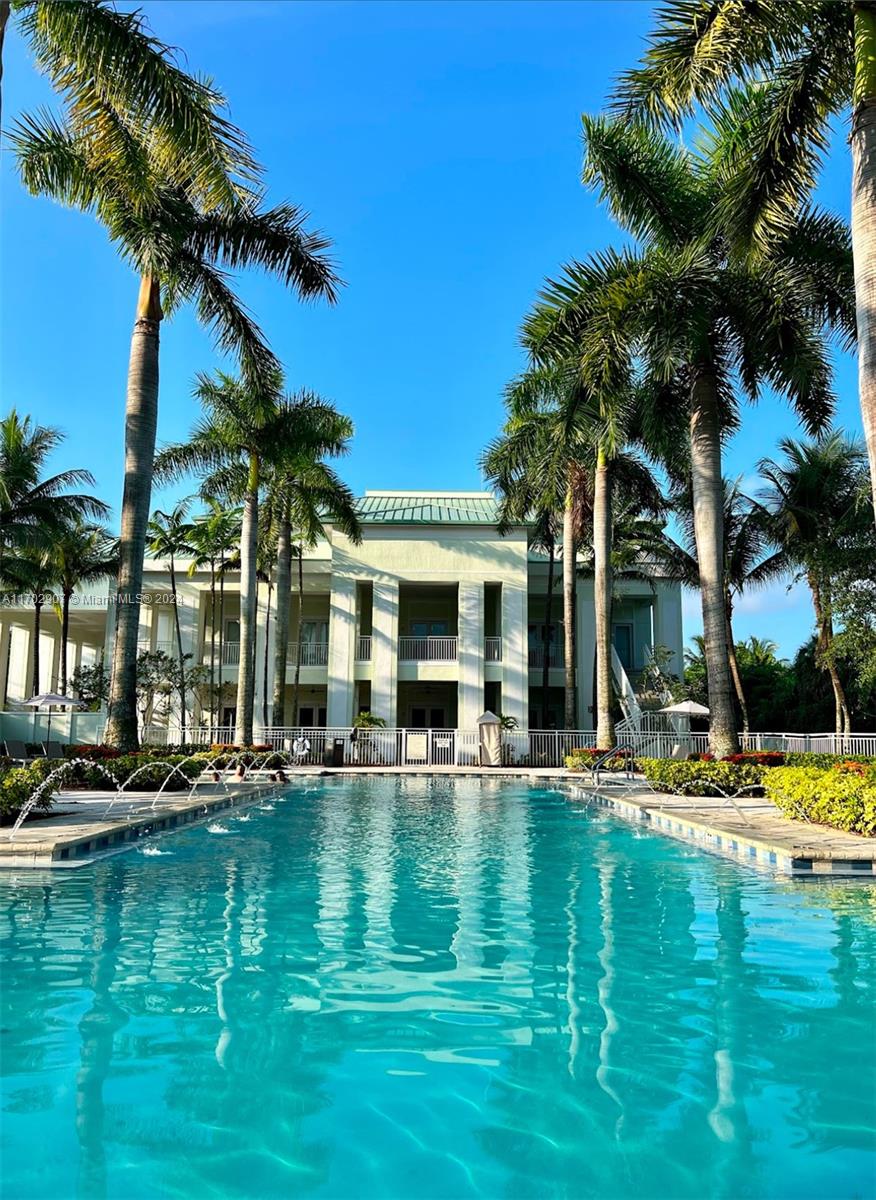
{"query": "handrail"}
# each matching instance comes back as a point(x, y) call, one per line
point(627, 753)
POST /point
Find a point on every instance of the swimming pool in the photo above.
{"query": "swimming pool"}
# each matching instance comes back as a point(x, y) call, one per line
point(434, 988)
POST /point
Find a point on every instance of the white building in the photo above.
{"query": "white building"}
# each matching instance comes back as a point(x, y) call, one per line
point(432, 619)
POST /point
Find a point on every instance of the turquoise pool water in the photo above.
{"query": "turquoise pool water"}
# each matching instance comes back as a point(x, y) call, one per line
point(429, 988)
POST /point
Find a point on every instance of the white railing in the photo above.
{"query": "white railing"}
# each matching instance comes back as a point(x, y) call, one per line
point(363, 648)
point(163, 647)
point(230, 654)
point(427, 649)
point(536, 656)
point(313, 654)
point(493, 649)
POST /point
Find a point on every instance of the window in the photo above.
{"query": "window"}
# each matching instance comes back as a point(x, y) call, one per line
point(429, 629)
point(232, 631)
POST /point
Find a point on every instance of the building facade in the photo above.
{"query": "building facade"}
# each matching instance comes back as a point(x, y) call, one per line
point(433, 618)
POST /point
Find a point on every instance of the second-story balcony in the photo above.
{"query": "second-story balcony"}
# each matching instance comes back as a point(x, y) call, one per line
point(427, 649)
point(313, 654)
point(554, 657)
point(363, 648)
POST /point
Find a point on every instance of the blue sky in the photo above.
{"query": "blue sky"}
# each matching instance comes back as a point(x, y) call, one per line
point(438, 145)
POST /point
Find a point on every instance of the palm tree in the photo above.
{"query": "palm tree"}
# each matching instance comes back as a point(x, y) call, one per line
point(247, 427)
point(803, 62)
point(181, 226)
point(169, 537)
point(536, 465)
point(813, 494)
point(83, 553)
point(697, 319)
point(35, 510)
point(213, 536)
point(304, 494)
point(749, 560)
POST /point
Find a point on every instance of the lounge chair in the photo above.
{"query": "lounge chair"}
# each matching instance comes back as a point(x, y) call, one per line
point(17, 749)
point(53, 749)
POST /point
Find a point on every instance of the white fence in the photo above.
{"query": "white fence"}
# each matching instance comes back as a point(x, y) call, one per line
point(429, 747)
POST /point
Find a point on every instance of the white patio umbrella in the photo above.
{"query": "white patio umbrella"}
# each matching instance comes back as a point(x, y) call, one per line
point(686, 708)
point(49, 700)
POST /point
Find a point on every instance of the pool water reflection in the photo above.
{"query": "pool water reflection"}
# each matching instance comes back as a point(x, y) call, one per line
point(433, 988)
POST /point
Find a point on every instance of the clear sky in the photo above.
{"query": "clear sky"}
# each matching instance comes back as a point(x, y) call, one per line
point(438, 145)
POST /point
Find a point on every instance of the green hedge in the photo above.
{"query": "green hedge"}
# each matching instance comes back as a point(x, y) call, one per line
point(842, 799)
point(17, 785)
point(700, 778)
point(120, 769)
point(583, 760)
point(809, 759)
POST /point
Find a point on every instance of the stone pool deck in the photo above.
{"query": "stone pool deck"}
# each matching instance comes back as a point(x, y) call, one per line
point(749, 828)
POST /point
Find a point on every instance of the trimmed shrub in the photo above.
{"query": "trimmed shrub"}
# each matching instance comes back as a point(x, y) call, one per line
point(152, 772)
point(841, 798)
point(701, 778)
point(17, 785)
point(761, 758)
point(808, 759)
point(583, 759)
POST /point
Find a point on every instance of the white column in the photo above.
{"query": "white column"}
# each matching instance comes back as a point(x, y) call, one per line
point(109, 637)
point(4, 660)
point(515, 655)
point(384, 651)
point(342, 632)
point(585, 651)
point(668, 630)
point(471, 653)
point(188, 607)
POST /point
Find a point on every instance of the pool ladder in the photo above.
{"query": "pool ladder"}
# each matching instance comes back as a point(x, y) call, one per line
point(627, 754)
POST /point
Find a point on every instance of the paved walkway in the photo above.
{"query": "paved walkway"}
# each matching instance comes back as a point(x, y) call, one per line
point(86, 825)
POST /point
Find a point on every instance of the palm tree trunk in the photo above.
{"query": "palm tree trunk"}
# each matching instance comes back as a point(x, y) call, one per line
point(734, 669)
point(546, 637)
point(298, 624)
point(569, 716)
point(708, 503)
point(212, 644)
point(864, 220)
point(267, 657)
point(605, 735)
point(281, 619)
point(824, 645)
point(65, 637)
point(141, 417)
point(181, 682)
point(245, 672)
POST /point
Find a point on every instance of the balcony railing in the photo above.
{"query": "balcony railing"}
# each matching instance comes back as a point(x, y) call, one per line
point(363, 649)
point(313, 654)
point(536, 656)
point(427, 649)
point(493, 649)
point(230, 654)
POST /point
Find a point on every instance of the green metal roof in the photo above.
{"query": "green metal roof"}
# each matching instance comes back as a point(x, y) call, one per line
point(428, 508)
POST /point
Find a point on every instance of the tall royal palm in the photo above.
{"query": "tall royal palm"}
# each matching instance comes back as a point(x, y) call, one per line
point(248, 426)
point(542, 464)
point(812, 60)
point(169, 537)
point(698, 319)
point(304, 494)
point(180, 226)
point(214, 535)
point(813, 494)
point(750, 560)
point(82, 553)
